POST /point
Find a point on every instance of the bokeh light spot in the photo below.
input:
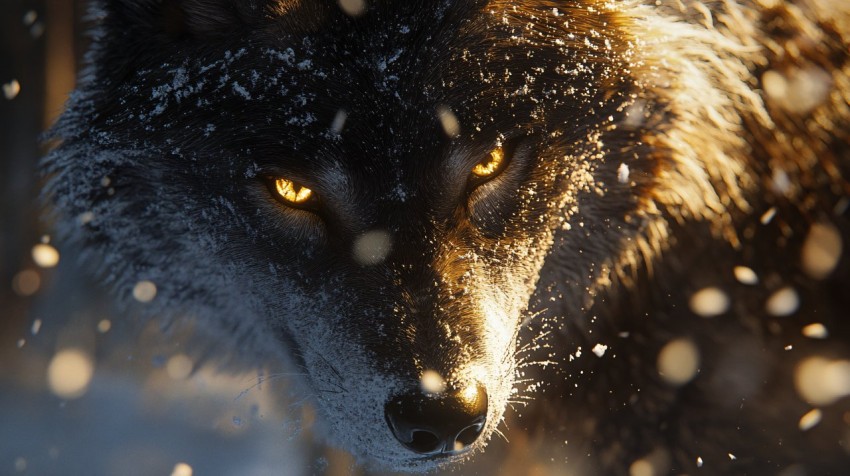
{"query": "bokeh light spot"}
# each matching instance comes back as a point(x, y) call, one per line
point(372, 247)
point(678, 361)
point(821, 250)
point(432, 382)
point(816, 331)
point(783, 302)
point(45, 255)
point(181, 469)
point(179, 367)
point(821, 381)
point(353, 7)
point(70, 372)
point(709, 302)
point(104, 325)
point(810, 419)
point(448, 121)
point(11, 89)
point(339, 121)
point(144, 291)
point(26, 283)
point(745, 275)
point(641, 467)
point(798, 90)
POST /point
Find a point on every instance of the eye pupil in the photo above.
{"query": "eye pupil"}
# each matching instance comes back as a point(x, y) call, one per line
point(491, 165)
point(292, 192)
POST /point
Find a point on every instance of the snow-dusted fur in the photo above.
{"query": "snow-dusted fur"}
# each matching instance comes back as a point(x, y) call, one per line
point(653, 147)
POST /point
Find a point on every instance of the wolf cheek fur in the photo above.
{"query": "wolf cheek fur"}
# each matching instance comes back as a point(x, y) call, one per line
point(633, 135)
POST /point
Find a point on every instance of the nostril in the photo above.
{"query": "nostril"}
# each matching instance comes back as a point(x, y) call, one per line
point(429, 423)
point(469, 435)
point(425, 442)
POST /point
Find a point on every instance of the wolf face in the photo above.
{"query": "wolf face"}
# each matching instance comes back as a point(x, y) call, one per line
point(372, 198)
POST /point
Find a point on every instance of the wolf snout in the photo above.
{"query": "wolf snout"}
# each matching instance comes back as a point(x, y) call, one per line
point(434, 423)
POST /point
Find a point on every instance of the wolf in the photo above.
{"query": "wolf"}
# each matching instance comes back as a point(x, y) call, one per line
point(632, 213)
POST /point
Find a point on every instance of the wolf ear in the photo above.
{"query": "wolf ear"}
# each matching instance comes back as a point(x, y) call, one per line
point(185, 18)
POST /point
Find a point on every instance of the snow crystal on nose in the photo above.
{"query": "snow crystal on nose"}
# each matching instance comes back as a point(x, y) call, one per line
point(372, 247)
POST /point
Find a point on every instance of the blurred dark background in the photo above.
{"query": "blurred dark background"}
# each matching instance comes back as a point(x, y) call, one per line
point(41, 50)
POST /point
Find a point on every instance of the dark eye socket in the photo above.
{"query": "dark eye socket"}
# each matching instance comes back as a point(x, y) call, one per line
point(293, 194)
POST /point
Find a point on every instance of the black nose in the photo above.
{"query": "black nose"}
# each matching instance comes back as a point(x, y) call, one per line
point(447, 422)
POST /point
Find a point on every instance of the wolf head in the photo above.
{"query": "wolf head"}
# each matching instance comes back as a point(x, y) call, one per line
point(368, 195)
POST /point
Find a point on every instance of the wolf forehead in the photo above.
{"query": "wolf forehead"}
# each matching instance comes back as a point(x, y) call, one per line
point(287, 75)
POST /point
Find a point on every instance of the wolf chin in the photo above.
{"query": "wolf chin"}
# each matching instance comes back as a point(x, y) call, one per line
point(408, 201)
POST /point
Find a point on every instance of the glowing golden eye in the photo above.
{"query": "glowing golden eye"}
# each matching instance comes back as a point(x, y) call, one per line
point(292, 192)
point(493, 163)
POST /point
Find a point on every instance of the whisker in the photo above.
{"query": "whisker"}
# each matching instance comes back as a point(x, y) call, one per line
point(521, 400)
point(332, 392)
point(499, 432)
point(301, 401)
point(267, 378)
